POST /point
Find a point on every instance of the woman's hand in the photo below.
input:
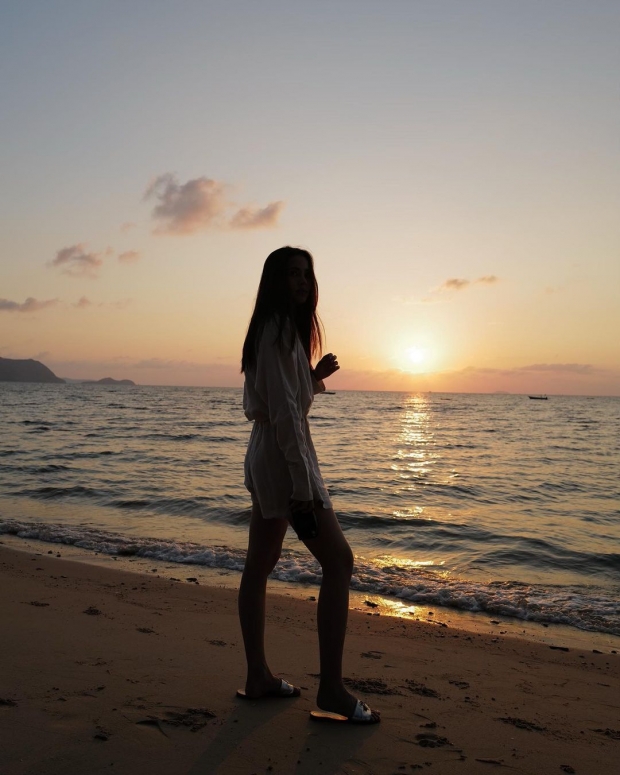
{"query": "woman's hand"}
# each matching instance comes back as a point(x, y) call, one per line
point(326, 366)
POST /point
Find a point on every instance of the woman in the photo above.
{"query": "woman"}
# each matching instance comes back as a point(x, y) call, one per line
point(284, 480)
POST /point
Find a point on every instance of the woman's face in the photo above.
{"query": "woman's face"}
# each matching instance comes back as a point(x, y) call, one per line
point(299, 279)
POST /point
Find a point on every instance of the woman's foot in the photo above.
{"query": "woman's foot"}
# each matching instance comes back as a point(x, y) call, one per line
point(343, 703)
point(268, 686)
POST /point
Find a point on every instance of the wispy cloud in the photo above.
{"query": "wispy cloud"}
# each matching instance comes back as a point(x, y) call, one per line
point(77, 262)
point(459, 284)
point(84, 303)
point(257, 217)
point(454, 284)
point(202, 204)
point(129, 257)
point(563, 368)
point(30, 305)
point(550, 378)
point(166, 363)
point(128, 226)
point(121, 303)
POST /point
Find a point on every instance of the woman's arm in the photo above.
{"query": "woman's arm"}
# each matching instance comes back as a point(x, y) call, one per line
point(318, 386)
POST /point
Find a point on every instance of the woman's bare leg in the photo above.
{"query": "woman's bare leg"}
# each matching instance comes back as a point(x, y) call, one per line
point(334, 554)
point(264, 547)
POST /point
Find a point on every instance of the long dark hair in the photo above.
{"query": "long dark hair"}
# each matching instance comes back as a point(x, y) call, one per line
point(273, 302)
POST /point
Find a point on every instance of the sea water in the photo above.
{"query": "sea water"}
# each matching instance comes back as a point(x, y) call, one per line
point(479, 503)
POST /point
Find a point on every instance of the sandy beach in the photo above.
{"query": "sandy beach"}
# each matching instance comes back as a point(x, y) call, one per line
point(105, 670)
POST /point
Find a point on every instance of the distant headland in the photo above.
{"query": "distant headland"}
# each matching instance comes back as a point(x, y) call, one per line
point(12, 370)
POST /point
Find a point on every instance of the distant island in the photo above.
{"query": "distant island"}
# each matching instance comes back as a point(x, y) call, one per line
point(108, 381)
point(12, 370)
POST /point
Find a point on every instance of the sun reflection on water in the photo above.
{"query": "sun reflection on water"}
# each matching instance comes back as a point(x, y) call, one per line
point(413, 466)
point(389, 561)
point(414, 459)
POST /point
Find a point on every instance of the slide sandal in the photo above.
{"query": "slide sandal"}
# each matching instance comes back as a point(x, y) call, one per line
point(286, 690)
point(361, 715)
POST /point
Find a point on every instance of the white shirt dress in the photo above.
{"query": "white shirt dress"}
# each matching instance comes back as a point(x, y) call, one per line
point(280, 462)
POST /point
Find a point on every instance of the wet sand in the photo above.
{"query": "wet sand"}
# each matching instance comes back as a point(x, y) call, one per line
point(104, 670)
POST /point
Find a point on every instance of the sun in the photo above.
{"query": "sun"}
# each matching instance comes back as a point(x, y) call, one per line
point(417, 359)
point(417, 356)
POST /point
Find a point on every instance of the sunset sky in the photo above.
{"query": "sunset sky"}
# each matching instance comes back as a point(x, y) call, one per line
point(453, 166)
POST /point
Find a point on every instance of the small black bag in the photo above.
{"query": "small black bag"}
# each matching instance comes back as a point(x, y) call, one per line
point(305, 524)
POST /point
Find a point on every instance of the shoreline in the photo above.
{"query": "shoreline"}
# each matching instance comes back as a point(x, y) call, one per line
point(109, 670)
point(368, 603)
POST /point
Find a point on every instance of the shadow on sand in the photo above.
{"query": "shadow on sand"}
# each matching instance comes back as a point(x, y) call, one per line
point(310, 745)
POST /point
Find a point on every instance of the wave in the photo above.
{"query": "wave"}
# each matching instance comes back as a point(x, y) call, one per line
point(170, 436)
point(584, 607)
point(50, 493)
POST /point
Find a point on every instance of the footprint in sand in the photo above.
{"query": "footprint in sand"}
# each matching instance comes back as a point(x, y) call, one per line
point(369, 686)
point(372, 654)
point(419, 688)
point(613, 733)
point(430, 740)
point(193, 719)
point(522, 724)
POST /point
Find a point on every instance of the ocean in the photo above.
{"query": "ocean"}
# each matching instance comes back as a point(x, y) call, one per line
point(489, 504)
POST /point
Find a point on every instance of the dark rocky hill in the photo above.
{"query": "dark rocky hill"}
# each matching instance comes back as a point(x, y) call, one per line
point(12, 370)
point(109, 381)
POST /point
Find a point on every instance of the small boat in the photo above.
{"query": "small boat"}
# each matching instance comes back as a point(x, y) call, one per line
point(538, 398)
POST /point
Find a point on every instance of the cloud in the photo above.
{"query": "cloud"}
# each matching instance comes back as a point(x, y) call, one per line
point(563, 368)
point(30, 305)
point(580, 369)
point(257, 218)
point(166, 363)
point(128, 226)
point(84, 303)
point(76, 262)
point(202, 204)
point(549, 378)
point(454, 284)
point(459, 284)
point(129, 256)
point(186, 208)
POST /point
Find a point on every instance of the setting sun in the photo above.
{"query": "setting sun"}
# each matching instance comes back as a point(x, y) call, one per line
point(417, 355)
point(417, 360)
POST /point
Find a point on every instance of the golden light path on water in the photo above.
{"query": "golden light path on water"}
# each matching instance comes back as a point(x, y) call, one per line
point(414, 463)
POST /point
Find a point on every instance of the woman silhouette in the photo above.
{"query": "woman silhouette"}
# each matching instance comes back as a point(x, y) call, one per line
point(283, 477)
